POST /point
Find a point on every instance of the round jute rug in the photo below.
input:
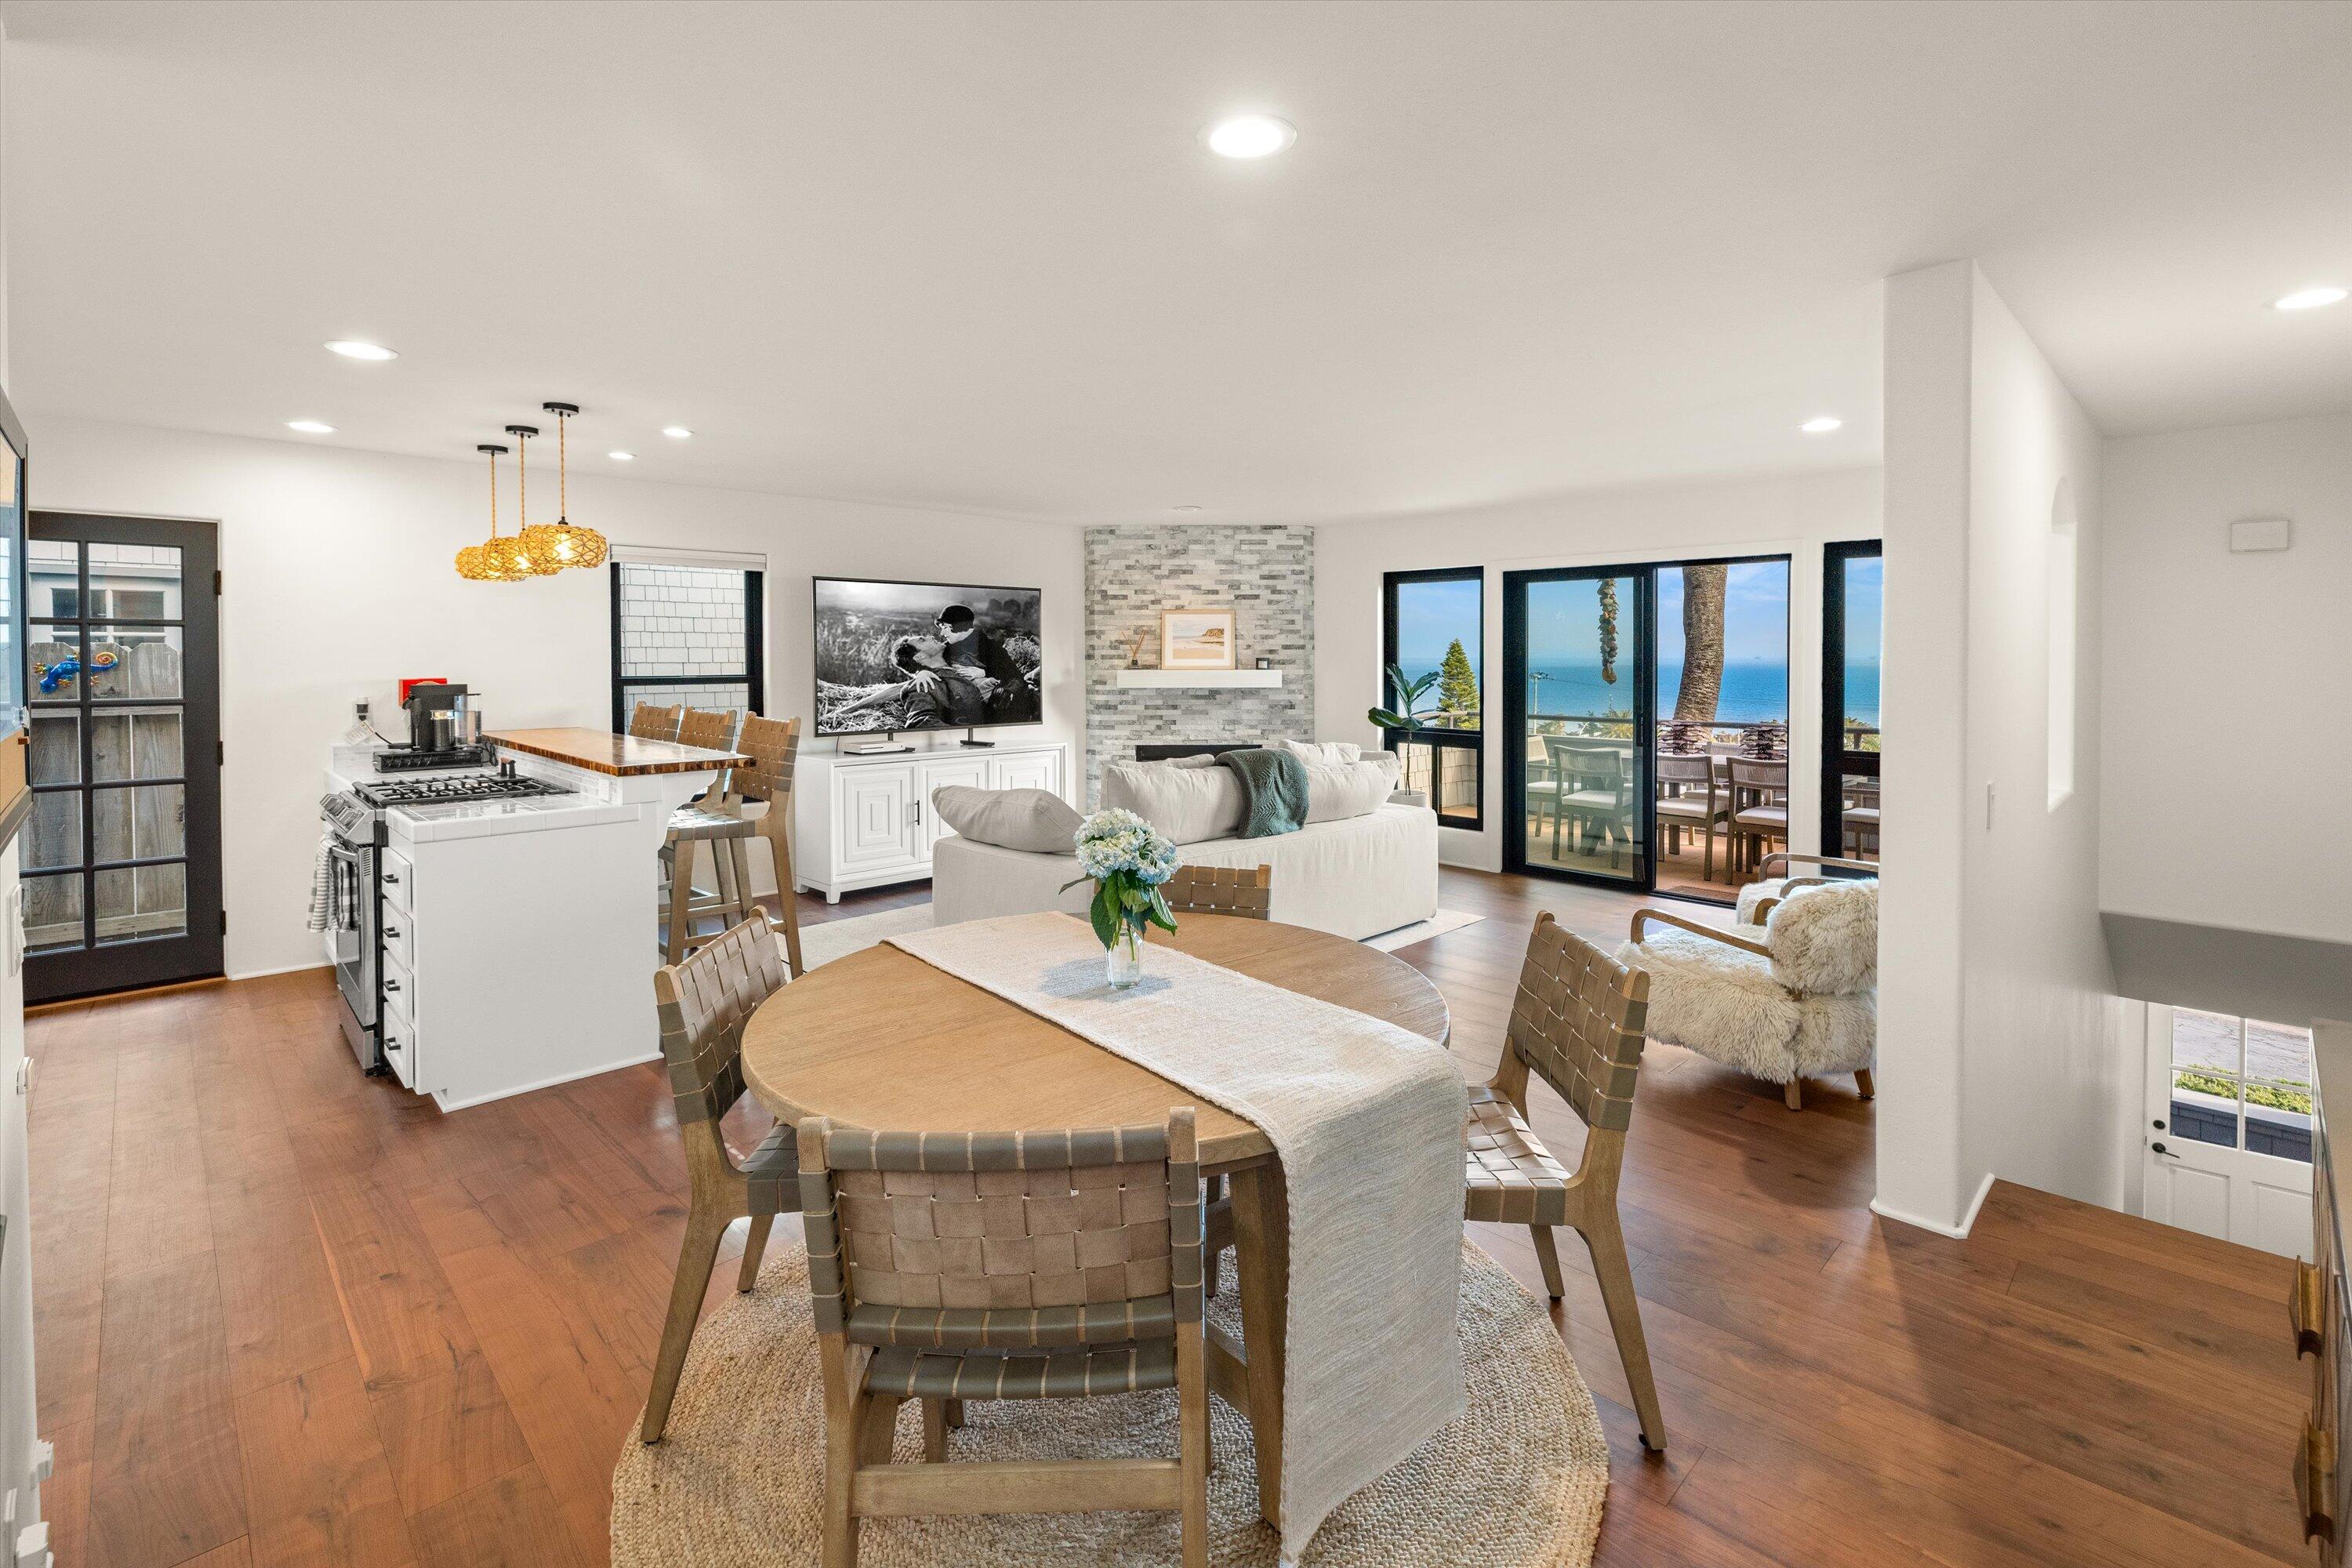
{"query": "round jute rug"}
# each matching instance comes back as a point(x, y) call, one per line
point(1517, 1482)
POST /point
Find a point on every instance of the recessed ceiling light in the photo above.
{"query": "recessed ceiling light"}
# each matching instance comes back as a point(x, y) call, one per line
point(677, 432)
point(1188, 509)
point(1821, 425)
point(352, 348)
point(2307, 299)
point(621, 456)
point(310, 427)
point(1250, 136)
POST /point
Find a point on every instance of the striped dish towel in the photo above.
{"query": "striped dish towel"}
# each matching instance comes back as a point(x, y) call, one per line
point(322, 883)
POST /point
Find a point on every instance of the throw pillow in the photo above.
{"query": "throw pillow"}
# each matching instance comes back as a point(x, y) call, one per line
point(1187, 804)
point(1328, 753)
point(1034, 820)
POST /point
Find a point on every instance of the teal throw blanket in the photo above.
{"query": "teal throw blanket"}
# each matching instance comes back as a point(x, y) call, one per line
point(1274, 791)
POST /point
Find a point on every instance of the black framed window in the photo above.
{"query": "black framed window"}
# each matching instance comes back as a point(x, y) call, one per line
point(686, 634)
point(1853, 585)
point(1435, 623)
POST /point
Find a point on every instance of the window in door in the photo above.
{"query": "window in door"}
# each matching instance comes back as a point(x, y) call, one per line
point(1435, 629)
point(1722, 731)
point(1852, 597)
point(686, 634)
point(2242, 1083)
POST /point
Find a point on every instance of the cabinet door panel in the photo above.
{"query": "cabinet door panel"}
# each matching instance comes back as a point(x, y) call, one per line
point(1032, 770)
point(877, 826)
point(971, 772)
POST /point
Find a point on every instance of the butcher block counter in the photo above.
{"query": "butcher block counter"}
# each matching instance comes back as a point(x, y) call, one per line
point(616, 756)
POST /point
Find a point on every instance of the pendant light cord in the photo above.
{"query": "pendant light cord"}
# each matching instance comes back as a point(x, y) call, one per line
point(522, 484)
point(563, 468)
point(494, 495)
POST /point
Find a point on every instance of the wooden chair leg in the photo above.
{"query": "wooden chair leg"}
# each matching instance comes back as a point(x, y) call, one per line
point(1547, 1254)
point(1192, 1418)
point(755, 1248)
point(1606, 1243)
point(788, 902)
point(954, 1413)
point(843, 1442)
point(935, 1431)
point(1862, 1081)
point(696, 1257)
point(880, 1430)
point(1793, 1091)
point(681, 898)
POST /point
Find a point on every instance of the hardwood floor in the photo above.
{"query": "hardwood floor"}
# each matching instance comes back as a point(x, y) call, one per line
point(290, 1315)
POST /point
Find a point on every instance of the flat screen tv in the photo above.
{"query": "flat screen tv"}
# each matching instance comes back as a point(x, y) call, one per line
point(924, 655)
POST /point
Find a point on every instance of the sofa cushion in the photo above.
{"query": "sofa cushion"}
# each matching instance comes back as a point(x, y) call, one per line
point(1187, 804)
point(1353, 789)
point(1035, 820)
point(1327, 753)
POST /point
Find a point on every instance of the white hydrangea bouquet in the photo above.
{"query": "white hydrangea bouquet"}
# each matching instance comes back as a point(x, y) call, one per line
point(1127, 859)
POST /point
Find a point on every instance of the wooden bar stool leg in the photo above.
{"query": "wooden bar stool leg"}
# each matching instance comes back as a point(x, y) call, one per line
point(681, 897)
point(788, 901)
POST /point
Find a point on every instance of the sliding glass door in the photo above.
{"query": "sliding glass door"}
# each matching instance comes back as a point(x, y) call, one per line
point(1722, 761)
point(1851, 598)
point(1578, 684)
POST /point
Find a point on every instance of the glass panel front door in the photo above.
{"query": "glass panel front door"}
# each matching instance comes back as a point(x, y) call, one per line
point(1578, 654)
point(122, 861)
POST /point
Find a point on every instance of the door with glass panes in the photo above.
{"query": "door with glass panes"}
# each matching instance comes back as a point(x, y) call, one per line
point(121, 883)
point(2228, 1128)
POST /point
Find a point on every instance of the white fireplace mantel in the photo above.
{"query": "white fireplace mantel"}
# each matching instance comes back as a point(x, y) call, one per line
point(1164, 679)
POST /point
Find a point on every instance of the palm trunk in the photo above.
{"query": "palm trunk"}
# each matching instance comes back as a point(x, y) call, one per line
point(1702, 686)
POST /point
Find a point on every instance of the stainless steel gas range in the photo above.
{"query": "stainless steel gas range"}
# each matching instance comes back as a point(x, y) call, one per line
point(356, 928)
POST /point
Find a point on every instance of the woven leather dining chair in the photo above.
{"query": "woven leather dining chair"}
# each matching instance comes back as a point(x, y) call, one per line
point(703, 1005)
point(956, 1266)
point(647, 722)
point(707, 820)
point(1577, 1021)
point(1246, 892)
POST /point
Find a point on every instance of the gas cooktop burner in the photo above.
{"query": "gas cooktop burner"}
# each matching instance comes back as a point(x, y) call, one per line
point(453, 791)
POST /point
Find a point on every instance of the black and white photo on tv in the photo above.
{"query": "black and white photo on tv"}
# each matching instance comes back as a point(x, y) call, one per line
point(924, 655)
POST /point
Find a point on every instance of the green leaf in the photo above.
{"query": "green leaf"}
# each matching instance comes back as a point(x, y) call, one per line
point(1162, 915)
point(1104, 914)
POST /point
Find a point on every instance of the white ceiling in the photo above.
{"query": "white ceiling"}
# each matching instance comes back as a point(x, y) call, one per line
point(972, 256)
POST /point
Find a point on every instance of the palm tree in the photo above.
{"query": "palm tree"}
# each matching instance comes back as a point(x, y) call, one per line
point(1702, 683)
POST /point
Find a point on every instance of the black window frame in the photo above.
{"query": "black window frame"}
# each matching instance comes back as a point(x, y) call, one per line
point(1439, 741)
point(1835, 760)
point(753, 681)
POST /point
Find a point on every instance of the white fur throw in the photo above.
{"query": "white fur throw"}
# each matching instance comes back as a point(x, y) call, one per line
point(1725, 1006)
point(1824, 940)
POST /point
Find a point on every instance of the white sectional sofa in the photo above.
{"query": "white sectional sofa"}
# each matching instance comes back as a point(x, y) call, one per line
point(1355, 876)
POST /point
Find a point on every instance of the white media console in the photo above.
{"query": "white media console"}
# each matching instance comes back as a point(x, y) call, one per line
point(866, 821)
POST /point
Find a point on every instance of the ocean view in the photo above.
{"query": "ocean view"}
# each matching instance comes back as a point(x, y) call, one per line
point(1751, 692)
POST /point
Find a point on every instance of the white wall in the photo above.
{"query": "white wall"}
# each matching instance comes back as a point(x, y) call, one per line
point(2003, 1050)
point(337, 581)
point(1793, 515)
point(2214, 663)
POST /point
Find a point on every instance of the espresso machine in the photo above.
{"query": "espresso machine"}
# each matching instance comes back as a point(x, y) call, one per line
point(445, 730)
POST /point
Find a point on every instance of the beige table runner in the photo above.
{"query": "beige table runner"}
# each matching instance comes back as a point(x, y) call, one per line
point(1367, 1119)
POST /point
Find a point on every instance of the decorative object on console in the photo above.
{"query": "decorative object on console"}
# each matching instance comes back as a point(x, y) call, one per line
point(553, 546)
point(1128, 859)
point(1196, 639)
point(892, 657)
point(1135, 648)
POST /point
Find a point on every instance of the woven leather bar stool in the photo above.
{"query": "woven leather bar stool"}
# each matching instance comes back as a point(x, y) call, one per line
point(1577, 1021)
point(705, 821)
point(647, 722)
point(970, 1265)
point(773, 745)
point(703, 1005)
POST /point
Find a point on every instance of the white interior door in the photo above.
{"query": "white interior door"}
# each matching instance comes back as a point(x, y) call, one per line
point(2228, 1128)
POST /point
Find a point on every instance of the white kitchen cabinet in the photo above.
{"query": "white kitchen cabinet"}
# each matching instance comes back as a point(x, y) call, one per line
point(867, 821)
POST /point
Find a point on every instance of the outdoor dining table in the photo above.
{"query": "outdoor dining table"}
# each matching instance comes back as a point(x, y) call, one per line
point(881, 1040)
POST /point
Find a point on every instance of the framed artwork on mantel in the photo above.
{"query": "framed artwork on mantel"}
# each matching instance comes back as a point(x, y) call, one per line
point(1196, 639)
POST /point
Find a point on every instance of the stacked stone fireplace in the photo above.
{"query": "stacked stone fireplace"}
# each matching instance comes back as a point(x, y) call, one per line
point(1266, 575)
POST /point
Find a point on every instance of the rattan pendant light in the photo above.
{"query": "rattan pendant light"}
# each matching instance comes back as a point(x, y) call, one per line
point(474, 560)
point(553, 546)
point(507, 557)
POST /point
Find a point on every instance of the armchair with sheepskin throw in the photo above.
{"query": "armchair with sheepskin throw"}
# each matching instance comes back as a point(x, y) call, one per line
point(1778, 877)
point(1800, 1002)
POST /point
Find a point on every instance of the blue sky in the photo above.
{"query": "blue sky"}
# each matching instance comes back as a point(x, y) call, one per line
point(1864, 608)
point(1430, 615)
point(1564, 619)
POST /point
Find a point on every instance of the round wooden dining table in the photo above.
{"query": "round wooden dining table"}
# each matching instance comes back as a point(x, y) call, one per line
point(881, 1040)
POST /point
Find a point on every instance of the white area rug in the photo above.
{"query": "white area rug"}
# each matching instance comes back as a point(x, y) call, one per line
point(822, 941)
point(1438, 924)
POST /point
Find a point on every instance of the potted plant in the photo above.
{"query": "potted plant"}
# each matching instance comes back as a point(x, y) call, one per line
point(1128, 859)
point(1409, 696)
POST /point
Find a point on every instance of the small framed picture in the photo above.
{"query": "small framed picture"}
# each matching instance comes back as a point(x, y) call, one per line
point(1196, 639)
point(1265, 663)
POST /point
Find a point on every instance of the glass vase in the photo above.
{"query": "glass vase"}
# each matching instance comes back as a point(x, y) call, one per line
point(1123, 959)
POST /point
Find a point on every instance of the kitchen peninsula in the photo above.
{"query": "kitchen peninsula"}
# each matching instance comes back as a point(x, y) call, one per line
point(513, 940)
